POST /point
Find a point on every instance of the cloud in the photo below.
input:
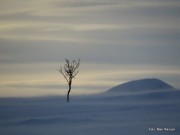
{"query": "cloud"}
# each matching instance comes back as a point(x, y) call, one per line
point(85, 21)
point(36, 36)
point(52, 86)
point(41, 79)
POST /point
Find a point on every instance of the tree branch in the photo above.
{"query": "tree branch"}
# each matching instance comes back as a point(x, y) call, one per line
point(61, 71)
point(75, 74)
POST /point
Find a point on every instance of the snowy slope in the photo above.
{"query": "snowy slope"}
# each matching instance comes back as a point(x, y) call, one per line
point(142, 85)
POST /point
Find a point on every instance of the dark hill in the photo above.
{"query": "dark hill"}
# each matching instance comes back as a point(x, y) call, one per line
point(140, 85)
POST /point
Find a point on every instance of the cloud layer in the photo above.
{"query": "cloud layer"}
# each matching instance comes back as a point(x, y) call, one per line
point(135, 33)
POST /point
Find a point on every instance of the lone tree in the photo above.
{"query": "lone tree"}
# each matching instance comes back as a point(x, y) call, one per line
point(69, 71)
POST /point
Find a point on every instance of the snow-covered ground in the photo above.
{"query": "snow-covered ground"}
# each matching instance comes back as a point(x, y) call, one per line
point(143, 113)
point(107, 115)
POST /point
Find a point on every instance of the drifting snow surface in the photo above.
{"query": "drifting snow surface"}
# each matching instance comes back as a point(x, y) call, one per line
point(154, 112)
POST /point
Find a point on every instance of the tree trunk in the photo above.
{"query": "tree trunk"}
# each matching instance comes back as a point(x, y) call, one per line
point(68, 92)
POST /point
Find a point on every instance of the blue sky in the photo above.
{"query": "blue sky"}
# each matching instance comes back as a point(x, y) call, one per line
point(117, 41)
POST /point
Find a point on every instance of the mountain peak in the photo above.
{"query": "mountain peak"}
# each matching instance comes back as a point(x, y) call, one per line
point(140, 85)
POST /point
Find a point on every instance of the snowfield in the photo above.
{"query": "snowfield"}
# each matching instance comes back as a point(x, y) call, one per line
point(153, 112)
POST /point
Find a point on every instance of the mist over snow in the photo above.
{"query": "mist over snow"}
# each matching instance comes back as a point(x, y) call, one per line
point(92, 115)
point(143, 113)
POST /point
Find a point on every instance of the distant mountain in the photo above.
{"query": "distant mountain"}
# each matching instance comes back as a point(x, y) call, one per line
point(140, 85)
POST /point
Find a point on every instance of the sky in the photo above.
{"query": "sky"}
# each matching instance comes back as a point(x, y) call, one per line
point(117, 41)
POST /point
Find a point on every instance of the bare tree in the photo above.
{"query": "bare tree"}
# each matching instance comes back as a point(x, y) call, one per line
point(69, 71)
